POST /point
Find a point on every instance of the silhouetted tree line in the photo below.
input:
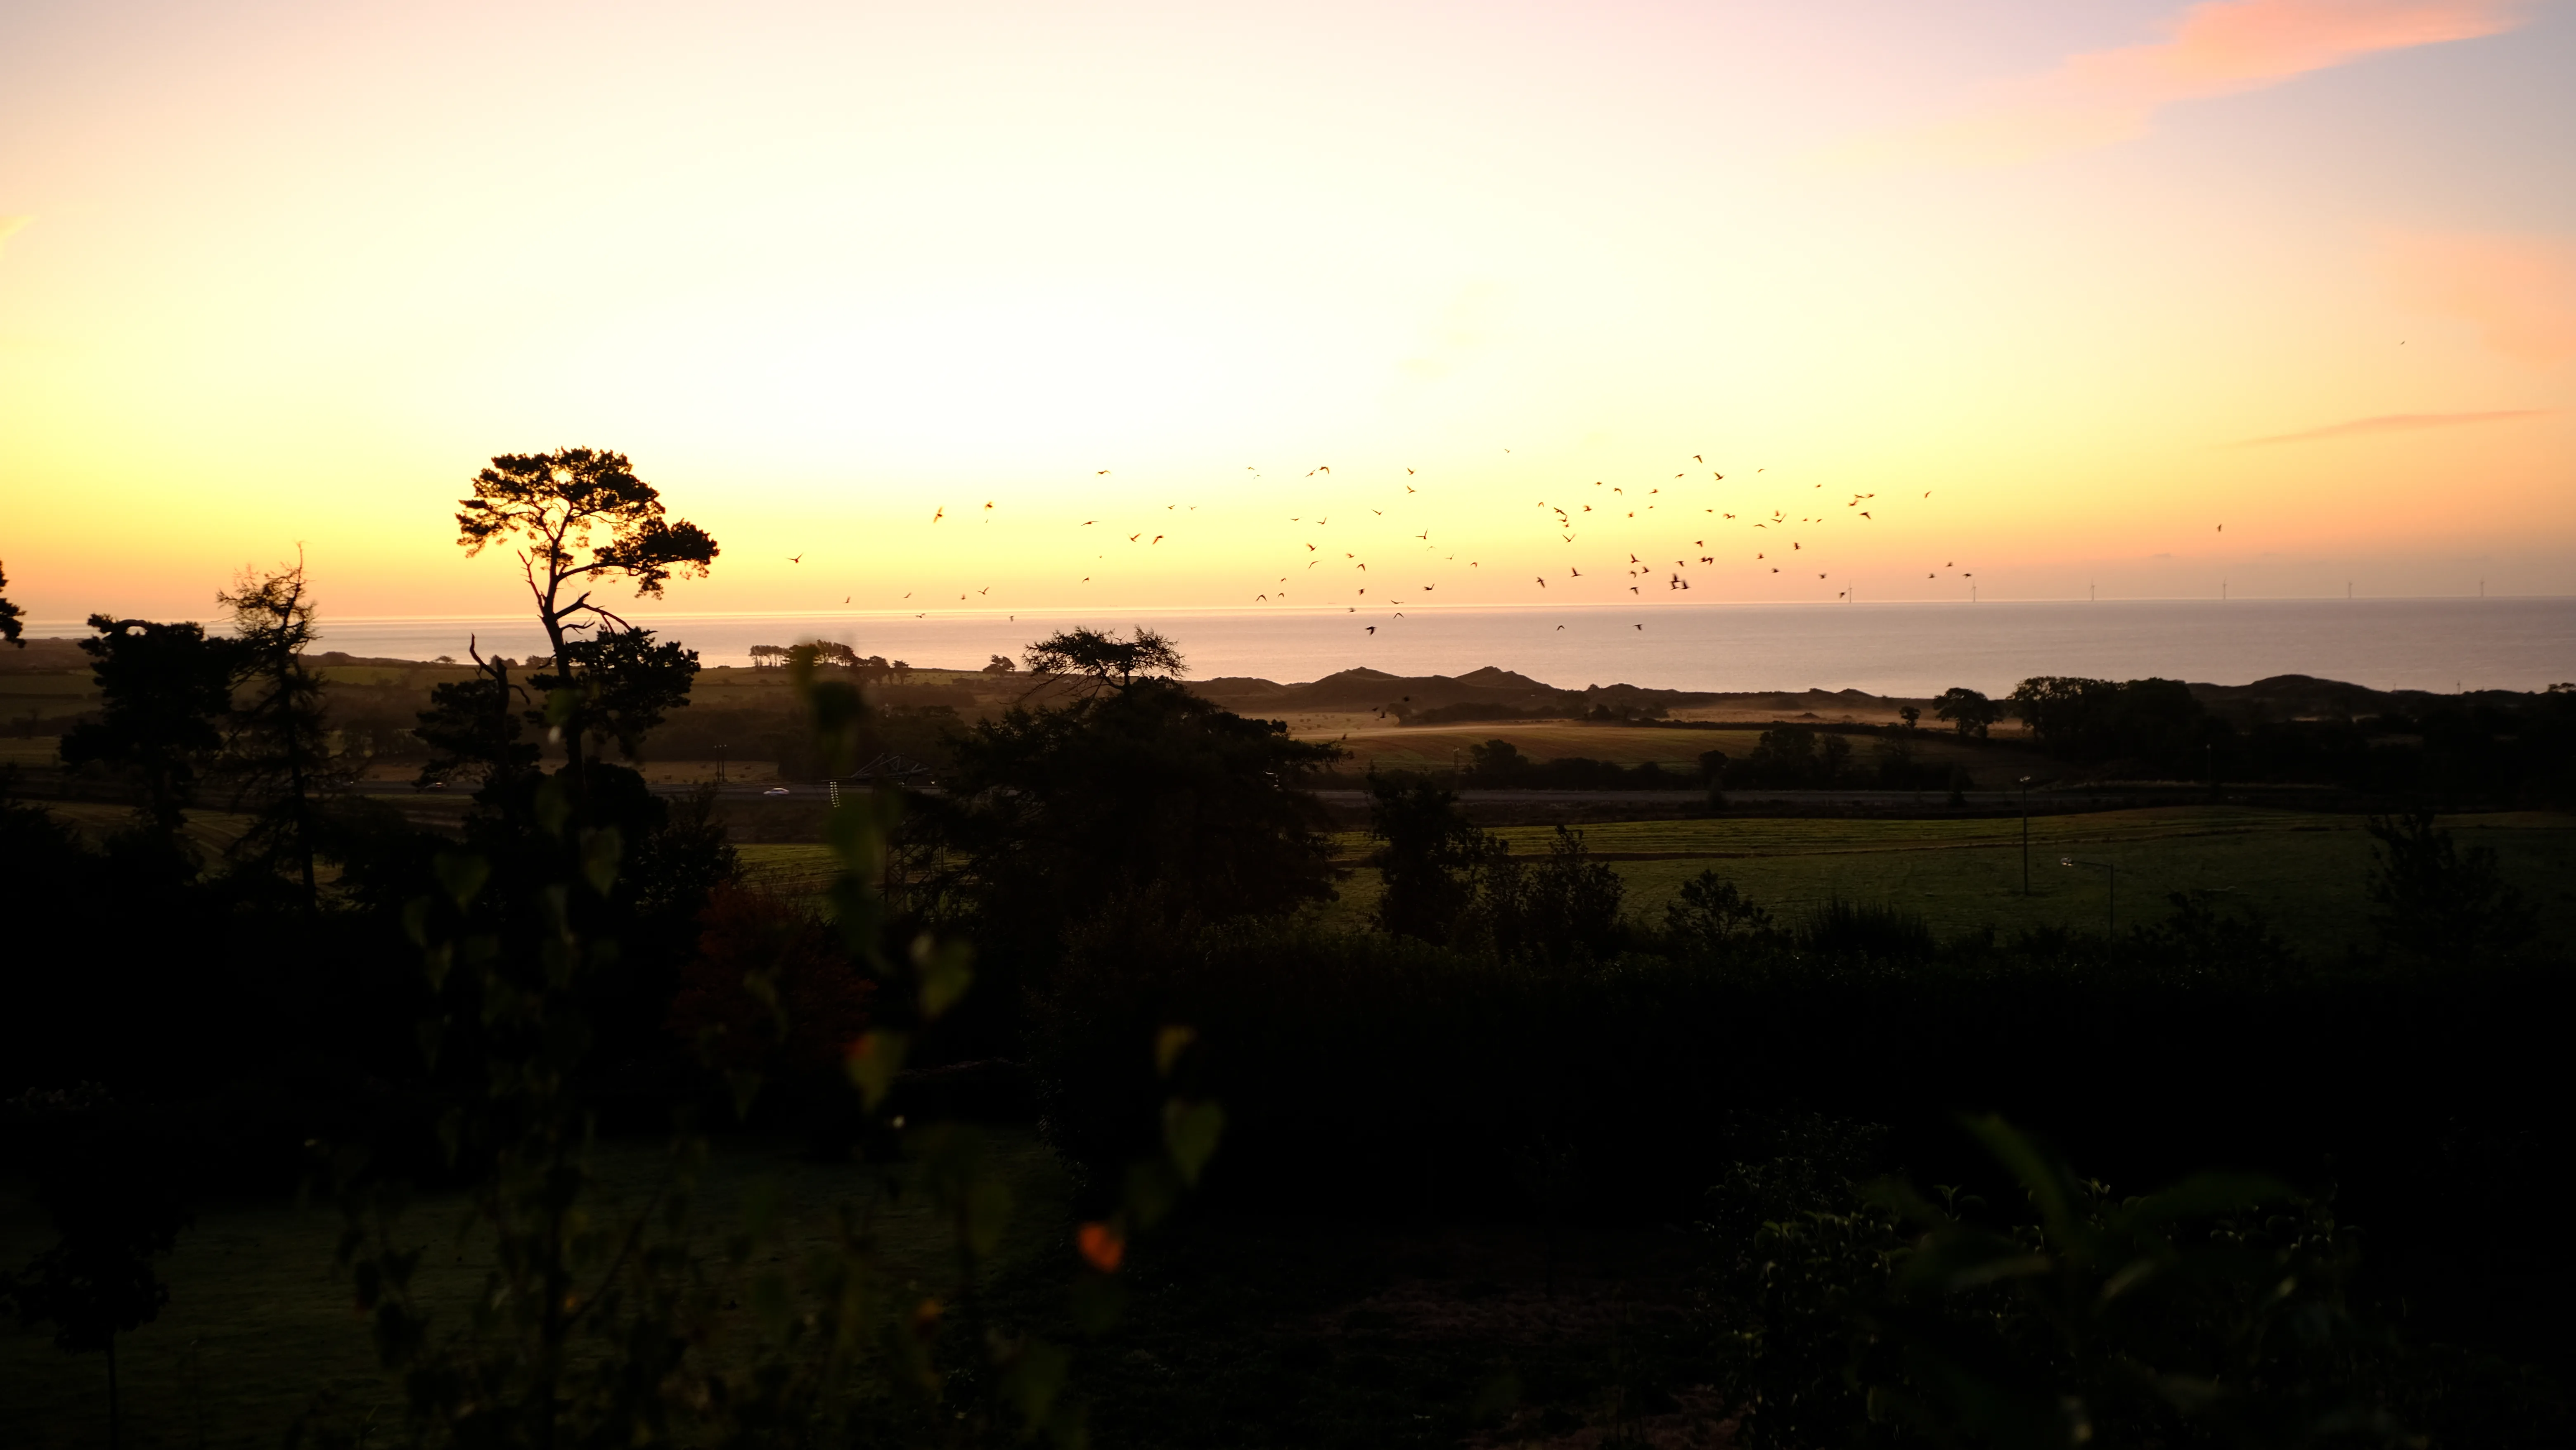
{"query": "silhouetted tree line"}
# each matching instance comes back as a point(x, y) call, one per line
point(2495, 745)
point(1785, 757)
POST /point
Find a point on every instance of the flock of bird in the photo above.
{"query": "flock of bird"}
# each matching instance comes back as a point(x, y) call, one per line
point(1703, 527)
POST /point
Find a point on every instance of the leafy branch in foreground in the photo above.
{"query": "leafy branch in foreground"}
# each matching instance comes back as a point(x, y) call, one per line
point(599, 1323)
point(2211, 1312)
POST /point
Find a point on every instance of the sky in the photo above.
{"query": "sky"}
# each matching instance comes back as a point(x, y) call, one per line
point(988, 306)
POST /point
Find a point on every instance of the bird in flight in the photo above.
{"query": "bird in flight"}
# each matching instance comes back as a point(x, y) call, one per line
point(1087, 523)
point(1542, 583)
point(1371, 628)
point(1695, 458)
point(943, 513)
point(1103, 473)
point(795, 558)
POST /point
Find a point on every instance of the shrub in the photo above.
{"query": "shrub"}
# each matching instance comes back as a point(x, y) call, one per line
point(1710, 917)
point(770, 992)
point(2436, 900)
point(1876, 930)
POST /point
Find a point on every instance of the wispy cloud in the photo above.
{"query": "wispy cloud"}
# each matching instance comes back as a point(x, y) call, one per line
point(2519, 290)
point(10, 226)
point(2217, 48)
point(2395, 423)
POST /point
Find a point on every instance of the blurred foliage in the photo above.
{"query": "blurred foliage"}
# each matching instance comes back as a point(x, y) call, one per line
point(2213, 1312)
point(606, 1323)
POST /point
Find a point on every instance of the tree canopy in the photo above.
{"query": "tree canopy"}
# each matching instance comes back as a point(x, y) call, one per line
point(551, 506)
point(1106, 658)
point(11, 629)
point(1146, 791)
point(164, 690)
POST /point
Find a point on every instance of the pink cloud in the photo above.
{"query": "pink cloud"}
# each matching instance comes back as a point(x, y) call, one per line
point(2217, 48)
point(2519, 290)
point(2396, 423)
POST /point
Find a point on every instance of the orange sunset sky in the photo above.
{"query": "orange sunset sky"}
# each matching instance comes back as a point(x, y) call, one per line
point(2099, 278)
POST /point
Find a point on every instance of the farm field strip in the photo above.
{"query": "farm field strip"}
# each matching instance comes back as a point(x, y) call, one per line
point(2308, 884)
point(1726, 837)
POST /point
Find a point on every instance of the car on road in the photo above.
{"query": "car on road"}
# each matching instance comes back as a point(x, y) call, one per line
point(776, 790)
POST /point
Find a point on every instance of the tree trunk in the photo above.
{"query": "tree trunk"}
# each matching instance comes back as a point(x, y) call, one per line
point(303, 805)
point(574, 765)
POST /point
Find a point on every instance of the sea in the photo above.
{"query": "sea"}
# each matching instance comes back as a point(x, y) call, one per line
point(1910, 649)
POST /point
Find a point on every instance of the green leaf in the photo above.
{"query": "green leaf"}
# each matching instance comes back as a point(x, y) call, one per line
point(945, 974)
point(462, 873)
point(872, 1063)
point(553, 806)
point(599, 853)
point(1190, 1133)
point(561, 705)
point(1036, 1376)
point(745, 1085)
point(2045, 1179)
point(1169, 1044)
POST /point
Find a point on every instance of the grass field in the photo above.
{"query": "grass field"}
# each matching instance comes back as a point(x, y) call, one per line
point(2303, 873)
point(259, 1321)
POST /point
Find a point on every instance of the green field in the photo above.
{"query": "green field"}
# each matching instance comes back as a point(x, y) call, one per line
point(2302, 873)
point(259, 1321)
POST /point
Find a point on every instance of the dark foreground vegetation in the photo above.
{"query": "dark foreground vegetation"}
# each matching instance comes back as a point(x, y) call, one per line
point(1061, 1110)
